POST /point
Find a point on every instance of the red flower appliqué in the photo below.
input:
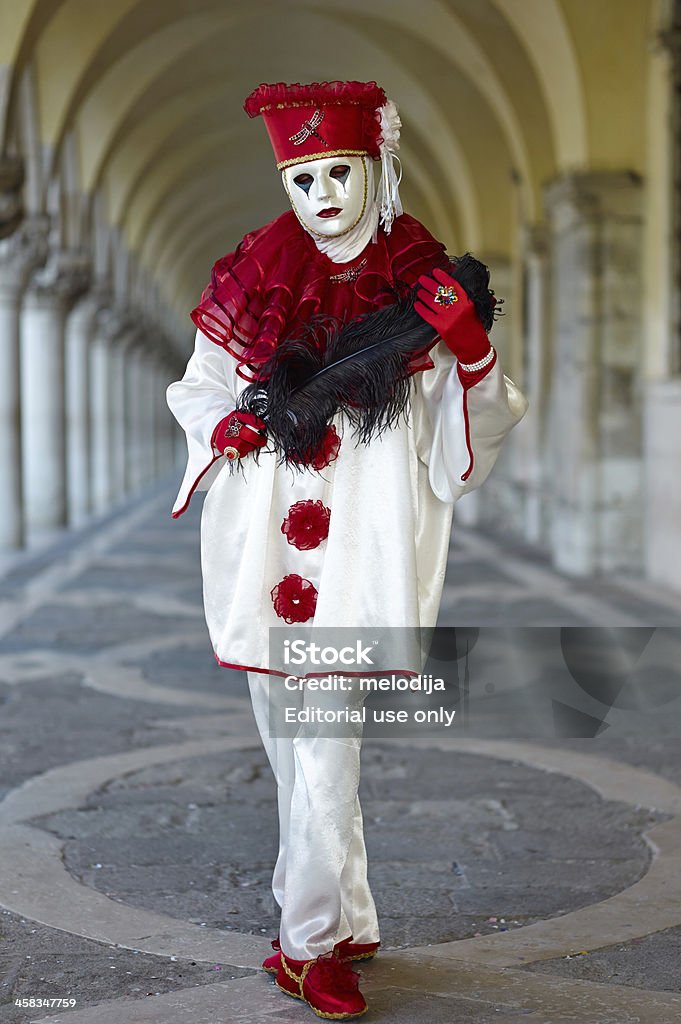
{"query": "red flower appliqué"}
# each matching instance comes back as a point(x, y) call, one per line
point(294, 598)
point(329, 449)
point(307, 524)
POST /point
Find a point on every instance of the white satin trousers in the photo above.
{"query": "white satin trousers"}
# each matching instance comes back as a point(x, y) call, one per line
point(320, 876)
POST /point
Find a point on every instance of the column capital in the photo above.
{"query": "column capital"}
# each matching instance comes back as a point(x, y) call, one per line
point(62, 279)
point(11, 202)
point(87, 305)
point(111, 322)
point(22, 253)
point(592, 195)
point(147, 331)
point(670, 39)
point(132, 339)
point(535, 238)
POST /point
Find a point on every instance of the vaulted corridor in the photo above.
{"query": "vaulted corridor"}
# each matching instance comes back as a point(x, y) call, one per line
point(128, 166)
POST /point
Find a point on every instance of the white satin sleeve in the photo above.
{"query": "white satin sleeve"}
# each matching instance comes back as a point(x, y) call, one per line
point(459, 432)
point(206, 393)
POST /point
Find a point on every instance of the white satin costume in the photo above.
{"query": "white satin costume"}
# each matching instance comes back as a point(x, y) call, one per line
point(382, 564)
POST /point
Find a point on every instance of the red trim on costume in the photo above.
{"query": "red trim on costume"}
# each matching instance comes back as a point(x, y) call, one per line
point(250, 668)
point(464, 476)
point(468, 381)
point(406, 672)
point(178, 513)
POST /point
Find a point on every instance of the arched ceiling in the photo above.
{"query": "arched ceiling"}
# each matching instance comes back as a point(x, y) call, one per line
point(496, 97)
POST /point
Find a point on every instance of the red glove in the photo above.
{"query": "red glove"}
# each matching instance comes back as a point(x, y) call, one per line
point(239, 433)
point(444, 304)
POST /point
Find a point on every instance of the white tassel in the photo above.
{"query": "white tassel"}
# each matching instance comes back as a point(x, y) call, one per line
point(388, 196)
point(389, 203)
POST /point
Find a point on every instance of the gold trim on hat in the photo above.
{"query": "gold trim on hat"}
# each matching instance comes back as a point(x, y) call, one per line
point(320, 156)
point(331, 102)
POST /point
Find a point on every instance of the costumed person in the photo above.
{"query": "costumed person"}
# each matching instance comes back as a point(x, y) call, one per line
point(342, 395)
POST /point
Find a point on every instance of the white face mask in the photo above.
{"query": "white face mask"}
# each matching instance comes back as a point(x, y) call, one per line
point(329, 195)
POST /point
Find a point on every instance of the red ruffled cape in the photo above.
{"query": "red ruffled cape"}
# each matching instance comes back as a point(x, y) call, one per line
point(277, 278)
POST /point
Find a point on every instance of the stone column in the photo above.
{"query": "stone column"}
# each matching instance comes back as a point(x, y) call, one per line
point(501, 281)
point(167, 420)
point(662, 261)
point(99, 419)
point(79, 331)
point(117, 414)
point(536, 383)
point(156, 418)
point(661, 479)
point(133, 399)
point(43, 389)
point(134, 415)
point(499, 505)
point(594, 417)
point(163, 416)
point(104, 474)
point(11, 203)
point(126, 424)
point(152, 399)
point(20, 254)
point(149, 424)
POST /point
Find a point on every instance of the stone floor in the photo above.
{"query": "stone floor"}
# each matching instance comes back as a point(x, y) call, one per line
point(522, 871)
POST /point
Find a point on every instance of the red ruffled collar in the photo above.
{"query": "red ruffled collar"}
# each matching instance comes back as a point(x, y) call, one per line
point(277, 278)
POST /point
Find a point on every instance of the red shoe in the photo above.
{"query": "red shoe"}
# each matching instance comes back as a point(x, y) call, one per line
point(327, 983)
point(288, 978)
point(272, 963)
point(348, 950)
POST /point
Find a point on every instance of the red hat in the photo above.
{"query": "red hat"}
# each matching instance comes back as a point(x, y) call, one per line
point(308, 122)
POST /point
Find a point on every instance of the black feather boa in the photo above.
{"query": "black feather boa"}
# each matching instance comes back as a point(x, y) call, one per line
point(361, 367)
